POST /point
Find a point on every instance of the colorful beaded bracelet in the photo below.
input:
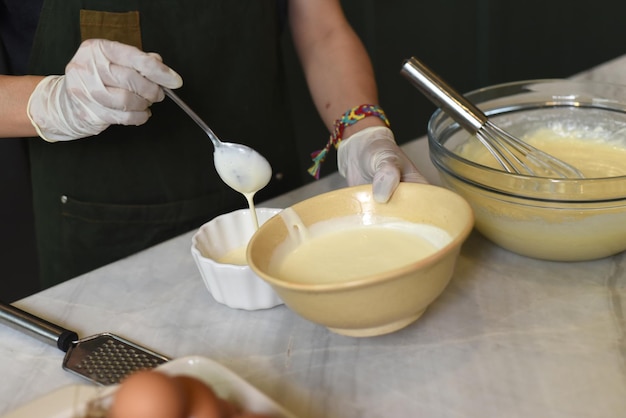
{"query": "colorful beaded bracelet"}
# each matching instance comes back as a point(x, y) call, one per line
point(351, 117)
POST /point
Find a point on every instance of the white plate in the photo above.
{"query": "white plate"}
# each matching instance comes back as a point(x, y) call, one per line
point(71, 401)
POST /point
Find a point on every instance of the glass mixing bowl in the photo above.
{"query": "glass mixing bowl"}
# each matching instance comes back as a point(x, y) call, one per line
point(546, 218)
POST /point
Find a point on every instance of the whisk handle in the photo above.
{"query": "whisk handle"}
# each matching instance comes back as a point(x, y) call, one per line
point(441, 94)
point(37, 327)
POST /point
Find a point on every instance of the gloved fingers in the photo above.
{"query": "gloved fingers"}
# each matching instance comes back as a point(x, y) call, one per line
point(119, 99)
point(386, 180)
point(390, 153)
point(148, 65)
point(390, 172)
point(105, 83)
point(89, 92)
point(115, 106)
point(410, 173)
point(91, 73)
point(125, 117)
point(360, 154)
point(372, 155)
point(156, 56)
point(120, 77)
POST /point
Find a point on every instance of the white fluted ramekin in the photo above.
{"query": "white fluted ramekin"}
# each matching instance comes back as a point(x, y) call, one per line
point(235, 286)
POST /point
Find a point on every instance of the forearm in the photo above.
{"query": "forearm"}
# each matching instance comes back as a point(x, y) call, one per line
point(336, 65)
point(14, 94)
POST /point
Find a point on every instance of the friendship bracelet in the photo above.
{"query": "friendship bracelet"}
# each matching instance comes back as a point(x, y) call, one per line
point(349, 118)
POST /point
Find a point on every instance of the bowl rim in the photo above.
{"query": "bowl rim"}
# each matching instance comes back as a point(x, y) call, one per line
point(378, 278)
point(237, 212)
point(500, 178)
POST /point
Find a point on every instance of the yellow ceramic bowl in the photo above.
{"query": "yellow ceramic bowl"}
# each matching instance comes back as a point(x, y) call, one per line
point(373, 304)
point(545, 218)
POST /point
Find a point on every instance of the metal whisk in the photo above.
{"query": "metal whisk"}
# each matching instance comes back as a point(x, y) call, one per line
point(513, 154)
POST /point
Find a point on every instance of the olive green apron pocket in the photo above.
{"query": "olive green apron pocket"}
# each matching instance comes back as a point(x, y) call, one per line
point(109, 227)
point(120, 27)
point(94, 234)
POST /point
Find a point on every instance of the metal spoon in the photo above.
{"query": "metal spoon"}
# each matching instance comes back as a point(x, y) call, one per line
point(238, 165)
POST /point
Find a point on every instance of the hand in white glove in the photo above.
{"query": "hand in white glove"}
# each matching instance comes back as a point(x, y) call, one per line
point(372, 156)
point(105, 83)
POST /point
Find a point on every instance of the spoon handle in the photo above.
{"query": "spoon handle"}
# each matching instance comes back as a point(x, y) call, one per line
point(193, 115)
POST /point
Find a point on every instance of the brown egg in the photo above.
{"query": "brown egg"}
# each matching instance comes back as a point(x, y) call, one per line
point(148, 394)
point(151, 394)
point(201, 400)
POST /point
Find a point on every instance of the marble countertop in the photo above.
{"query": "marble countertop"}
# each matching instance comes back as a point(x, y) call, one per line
point(510, 336)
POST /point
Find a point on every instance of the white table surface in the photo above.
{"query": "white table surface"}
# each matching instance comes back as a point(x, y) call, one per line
point(510, 336)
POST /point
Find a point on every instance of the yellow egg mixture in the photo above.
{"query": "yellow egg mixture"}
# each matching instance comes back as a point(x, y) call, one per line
point(595, 158)
point(354, 251)
point(236, 256)
point(556, 234)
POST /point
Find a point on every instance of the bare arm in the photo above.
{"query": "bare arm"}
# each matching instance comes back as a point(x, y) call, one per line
point(335, 63)
point(14, 94)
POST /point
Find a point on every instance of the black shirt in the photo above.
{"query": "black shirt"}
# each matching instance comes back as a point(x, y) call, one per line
point(18, 22)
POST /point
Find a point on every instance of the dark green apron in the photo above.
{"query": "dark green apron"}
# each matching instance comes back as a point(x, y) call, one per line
point(102, 198)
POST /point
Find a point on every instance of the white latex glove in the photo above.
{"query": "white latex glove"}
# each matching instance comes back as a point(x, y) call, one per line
point(372, 156)
point(105, 83)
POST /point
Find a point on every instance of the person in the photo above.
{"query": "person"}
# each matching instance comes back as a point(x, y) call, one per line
point(124, 188)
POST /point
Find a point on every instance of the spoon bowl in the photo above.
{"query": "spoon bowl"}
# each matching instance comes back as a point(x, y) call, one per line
point(242, 168)
point(239, 166)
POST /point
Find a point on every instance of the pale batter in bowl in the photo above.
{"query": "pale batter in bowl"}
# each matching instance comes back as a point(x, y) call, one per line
point(554, 219)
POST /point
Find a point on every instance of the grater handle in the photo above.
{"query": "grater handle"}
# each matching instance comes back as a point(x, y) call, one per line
point(36, 327)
